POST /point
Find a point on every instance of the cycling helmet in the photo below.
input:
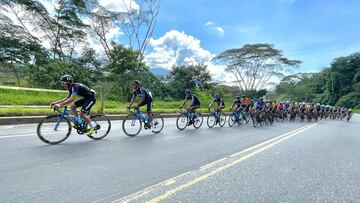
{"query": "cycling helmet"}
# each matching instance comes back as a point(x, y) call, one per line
point(216, 95)
point(136, 82)
point(66, 78)
point(243, 96)
point(237, 97)
point(188, 91)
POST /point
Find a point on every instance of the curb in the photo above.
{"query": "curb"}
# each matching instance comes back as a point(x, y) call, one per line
point(37, 119)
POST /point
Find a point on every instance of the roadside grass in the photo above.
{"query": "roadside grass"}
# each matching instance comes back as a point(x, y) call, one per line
point(15, 102)
point(357, 111)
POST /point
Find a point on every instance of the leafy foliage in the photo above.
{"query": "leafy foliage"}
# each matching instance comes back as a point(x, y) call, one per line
point(337, 85)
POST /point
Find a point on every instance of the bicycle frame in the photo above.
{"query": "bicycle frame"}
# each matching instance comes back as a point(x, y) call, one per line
point(63, 114)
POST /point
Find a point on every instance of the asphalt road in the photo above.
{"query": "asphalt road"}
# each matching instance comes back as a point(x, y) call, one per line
point(286, 162)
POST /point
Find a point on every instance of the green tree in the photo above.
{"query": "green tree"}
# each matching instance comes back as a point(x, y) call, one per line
point(188, 77)
point(124, 67)
point(254, 65)
point(17, 47)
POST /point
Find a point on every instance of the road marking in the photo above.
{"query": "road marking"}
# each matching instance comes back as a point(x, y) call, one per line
point(268, 141)
point(14, 136)
point(145, 191)
point(213, 169)
point(212, 164)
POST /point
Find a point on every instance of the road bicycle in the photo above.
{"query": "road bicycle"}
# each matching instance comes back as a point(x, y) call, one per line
point(187, 118)
point(133, 123)
point(54, 129)
point(238, 117)
point(216, 117)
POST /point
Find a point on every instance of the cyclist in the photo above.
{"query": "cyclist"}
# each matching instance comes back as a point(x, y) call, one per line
point(245, 103)
point(349, 114)
point(195, 103)
point(236, 103)
point(146, 99)
point(220, 104)
point(86, 102)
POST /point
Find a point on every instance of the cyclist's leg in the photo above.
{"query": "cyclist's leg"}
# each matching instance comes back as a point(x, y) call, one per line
point(89, 103)
point(149, 106)
point(77, 104)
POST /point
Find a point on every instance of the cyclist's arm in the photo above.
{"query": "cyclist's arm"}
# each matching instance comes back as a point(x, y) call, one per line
point(210, 104)
point(182, 105)
point(59, 101)
point(131, 101)
point(232, 106)
point(68, 100)
point(221, 106)
point(142, 99)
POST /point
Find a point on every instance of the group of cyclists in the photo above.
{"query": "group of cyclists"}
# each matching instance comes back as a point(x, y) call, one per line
point(257, 109)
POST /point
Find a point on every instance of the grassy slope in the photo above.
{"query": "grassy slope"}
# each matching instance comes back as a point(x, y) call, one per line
point(37, 98)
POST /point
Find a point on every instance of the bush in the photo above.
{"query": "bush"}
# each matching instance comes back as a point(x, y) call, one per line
point(350, 100)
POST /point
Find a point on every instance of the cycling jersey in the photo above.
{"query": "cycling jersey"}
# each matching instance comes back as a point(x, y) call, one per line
point(237, 103)
point(318, 108)
point(219, 102)
point(245, 101)
point(147, 101)
point(81, 90)
point(194, 99)
point(88, 95)
point(260, 105)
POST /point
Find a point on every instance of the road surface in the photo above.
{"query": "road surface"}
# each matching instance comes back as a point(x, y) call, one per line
point(286, 162)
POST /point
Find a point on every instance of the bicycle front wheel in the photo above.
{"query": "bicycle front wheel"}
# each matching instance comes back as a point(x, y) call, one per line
point(54, 129)
point(211, 121)
point(232, 120)
point(182, 121)
point(102, 126)
point(132, 126)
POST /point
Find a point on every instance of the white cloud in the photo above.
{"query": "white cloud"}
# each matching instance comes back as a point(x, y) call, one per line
point(209, 23)
point(211, 26)
point(220, 30)
point(119, 5)
point(178, 48)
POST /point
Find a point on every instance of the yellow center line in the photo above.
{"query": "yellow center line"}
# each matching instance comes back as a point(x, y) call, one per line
point(220, 169)
point(267, 144)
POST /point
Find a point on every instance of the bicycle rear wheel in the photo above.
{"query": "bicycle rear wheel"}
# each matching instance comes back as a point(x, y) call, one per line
point(132, 126)
point(222, 120)
point(158, 124)
point(54, 129)
point(102, 126)
point(198, 120)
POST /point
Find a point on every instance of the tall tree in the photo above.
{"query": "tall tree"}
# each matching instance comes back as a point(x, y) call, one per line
point(138, 22)
point(60, 28)
point(254, 65)
point(17, 46)
point(124, 67)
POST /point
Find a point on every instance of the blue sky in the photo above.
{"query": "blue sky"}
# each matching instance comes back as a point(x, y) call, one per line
point(313, 31)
